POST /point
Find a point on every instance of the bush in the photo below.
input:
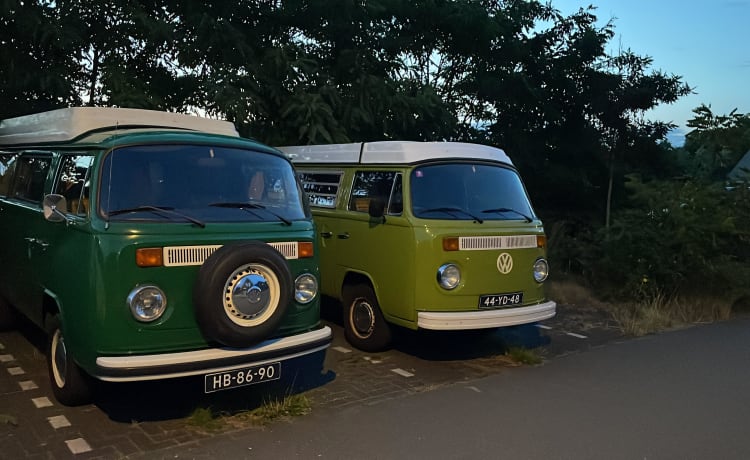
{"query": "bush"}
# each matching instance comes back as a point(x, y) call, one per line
point(677, 238)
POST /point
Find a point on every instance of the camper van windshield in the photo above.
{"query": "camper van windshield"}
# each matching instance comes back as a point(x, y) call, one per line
point(198, 183)
point(464, 191)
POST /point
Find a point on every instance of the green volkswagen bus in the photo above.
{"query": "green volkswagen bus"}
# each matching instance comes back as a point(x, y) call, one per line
point(424, 235)
point(153, 245)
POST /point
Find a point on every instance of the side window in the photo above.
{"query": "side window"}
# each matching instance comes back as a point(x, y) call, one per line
point(72, 182)
point(321, 187)
point(369, 185)
point(396, 204)
point(7, 166)
point(30, 177)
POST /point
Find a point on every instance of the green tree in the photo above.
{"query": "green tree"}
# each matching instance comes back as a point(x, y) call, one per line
point(716, 143)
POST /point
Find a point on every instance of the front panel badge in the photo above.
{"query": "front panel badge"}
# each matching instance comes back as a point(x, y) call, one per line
point(504, 263)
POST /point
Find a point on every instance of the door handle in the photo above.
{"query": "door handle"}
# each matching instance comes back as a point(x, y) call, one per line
point(343, 236)
point(41, 243)
point(326, 234)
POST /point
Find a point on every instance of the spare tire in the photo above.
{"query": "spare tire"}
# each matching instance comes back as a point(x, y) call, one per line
point(242, 293)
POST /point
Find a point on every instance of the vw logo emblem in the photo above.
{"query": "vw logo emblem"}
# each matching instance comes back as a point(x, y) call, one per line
point(504, 263)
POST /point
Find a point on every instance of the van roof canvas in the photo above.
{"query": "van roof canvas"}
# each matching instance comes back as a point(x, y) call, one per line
point(67, 124)
point(392, 152)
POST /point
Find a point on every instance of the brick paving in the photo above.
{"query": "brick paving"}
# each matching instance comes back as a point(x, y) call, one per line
point(151, 420)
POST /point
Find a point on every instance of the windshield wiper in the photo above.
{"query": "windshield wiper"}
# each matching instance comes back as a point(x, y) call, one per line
point(449, 210)
point(247, 206)
point(157, 209)
point(503, 210)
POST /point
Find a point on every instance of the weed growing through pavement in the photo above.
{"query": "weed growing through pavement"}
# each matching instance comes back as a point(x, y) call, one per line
point(206, 419)
point(524, 356)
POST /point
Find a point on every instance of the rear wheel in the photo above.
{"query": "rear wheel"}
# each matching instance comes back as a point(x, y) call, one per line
point(364, 324)
point(70, 385)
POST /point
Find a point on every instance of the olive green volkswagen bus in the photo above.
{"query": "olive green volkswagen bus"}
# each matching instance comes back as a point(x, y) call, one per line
point(154, 245)
point(430, 235)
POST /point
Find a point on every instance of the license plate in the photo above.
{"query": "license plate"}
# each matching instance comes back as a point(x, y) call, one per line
point(241, 377)
point(501, 300)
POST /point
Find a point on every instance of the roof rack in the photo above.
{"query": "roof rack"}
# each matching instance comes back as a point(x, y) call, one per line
point(392, 152)
point(68, 124)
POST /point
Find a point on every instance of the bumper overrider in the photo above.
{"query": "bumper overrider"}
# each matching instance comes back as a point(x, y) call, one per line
point(484, 319)
point(199, 362)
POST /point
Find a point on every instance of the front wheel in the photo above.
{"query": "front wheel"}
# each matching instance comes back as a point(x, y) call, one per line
point(364, 324)
point(70, 385)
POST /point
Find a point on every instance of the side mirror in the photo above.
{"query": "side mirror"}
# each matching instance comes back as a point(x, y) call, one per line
point(54, 207)
point(376, 208)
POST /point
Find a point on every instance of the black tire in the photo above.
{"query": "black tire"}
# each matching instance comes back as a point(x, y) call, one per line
point(7, 316)
point(70, 384)
point(242, 293)
point(364, 325)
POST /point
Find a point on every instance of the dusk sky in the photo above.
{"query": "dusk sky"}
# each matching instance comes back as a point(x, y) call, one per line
point(705, 42)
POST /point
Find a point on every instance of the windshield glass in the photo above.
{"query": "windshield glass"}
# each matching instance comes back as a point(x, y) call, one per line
point(198, 183)
point(462, 191)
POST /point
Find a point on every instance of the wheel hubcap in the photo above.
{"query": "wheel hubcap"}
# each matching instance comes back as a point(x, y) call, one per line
point(251, 295)
point(363, 318)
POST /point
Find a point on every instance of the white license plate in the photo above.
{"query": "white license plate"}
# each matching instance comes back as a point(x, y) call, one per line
point(501, 300)
point(241, 377)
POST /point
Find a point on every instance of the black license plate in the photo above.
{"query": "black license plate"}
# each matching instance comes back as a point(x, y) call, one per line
point(501, 300)
point(240, 377)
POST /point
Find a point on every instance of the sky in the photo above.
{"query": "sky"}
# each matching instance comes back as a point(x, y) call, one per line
point(706, 42)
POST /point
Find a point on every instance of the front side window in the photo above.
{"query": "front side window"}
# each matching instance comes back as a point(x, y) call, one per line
point(205, 183)
point(73, 182)
point(376, 185)
point(464, 191)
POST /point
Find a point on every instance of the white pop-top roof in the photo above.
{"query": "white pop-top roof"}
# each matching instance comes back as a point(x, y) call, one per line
point(67, 124)
point(392, 152)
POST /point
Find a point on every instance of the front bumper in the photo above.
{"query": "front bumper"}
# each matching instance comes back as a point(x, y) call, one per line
point(484, 319)
point(199, 362)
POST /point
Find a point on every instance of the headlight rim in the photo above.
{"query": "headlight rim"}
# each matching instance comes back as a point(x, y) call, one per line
point(315, 288)
point(133, 297)
point(441, 276)
point(540, 276)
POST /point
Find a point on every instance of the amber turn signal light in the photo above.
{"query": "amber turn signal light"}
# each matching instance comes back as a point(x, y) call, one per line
point(450, 243)
point(149, 257)
point(305, 249)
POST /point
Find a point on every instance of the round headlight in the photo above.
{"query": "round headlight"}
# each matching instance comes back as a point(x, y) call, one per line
point(448, 276)
point(147, 303)
point(305, 288)
point(541, 270)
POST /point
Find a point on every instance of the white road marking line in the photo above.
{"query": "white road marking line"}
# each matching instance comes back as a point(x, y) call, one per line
point(16, 371)
point(6, 358)
point(578, 336)
point(475, 389)
point(41, 402)
point(58, 421)
point(78, 445)
point(542, 326)
point(402, 372)
point(341, 349)
point(27, 385)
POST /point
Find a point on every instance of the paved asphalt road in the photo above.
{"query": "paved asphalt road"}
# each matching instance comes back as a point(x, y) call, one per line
point(677, 395)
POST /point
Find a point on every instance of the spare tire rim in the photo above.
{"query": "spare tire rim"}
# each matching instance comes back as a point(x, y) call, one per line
point(251, 295)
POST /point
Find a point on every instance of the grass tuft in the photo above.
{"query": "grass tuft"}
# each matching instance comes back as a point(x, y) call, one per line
point(524, 356)
point(660, 312)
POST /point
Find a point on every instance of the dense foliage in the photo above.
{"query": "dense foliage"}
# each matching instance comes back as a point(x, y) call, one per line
point(513, 73)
